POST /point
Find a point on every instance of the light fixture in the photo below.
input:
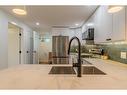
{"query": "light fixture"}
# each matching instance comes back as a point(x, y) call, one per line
point(114, 8)
point(37, 23)
point(20, 11)
point(76, 24)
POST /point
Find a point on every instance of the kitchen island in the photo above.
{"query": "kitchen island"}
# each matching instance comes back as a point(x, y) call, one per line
point(35, 76)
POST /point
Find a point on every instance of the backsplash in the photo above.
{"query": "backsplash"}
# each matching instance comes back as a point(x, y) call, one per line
point(84, 48)
point(114, 51)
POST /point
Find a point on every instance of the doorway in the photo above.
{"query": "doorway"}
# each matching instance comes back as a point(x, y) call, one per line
point(14, 45)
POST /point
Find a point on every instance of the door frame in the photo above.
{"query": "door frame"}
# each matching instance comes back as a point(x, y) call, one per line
point(20, 42)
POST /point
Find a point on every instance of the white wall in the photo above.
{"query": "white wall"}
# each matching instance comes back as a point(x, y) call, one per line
point(67, 32)
point(60, 31)
point(75, 32)
point(4, 19)
point(45, 48)
point(3, 41)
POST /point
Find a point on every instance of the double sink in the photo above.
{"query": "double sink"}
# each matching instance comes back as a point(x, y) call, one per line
point(88, 70)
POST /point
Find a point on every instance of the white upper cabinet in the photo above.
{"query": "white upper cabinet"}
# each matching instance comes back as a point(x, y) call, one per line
point(106, 24)
point(108, 27)
point(103, 25)
point(119, 26)
point(98, 25)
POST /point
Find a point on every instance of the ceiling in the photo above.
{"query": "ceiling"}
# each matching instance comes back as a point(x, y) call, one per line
point(49, 16)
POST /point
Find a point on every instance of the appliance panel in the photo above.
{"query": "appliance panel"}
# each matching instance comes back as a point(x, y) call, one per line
point(60, 49)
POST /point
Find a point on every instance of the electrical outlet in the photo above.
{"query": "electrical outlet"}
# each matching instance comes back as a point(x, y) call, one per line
point(123, 55)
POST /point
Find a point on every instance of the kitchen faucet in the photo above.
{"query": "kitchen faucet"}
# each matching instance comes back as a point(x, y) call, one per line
point(78, 65)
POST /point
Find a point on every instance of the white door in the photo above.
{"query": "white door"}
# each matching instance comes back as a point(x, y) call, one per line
point(14, 45)
point(35, 48)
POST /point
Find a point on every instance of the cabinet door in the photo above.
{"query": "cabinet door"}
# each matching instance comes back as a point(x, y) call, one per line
point(119, 25)
point(106, 24)
point(103, 25)
point(98, 34)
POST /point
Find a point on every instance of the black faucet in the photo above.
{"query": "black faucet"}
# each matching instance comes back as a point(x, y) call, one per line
point(79, 64)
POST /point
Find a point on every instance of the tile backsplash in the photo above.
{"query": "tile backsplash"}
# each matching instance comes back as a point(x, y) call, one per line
point(84, 48)
point(114, 51)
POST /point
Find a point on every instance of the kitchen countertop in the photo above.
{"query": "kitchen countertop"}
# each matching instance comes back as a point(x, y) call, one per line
point(35, 76)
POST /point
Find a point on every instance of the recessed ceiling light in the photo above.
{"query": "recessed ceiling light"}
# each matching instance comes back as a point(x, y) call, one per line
point(76, 24)
point(113, 9)
point(19, 11)
point(37, 23)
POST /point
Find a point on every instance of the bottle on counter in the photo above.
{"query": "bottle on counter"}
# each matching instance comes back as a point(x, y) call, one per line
point(104, 55)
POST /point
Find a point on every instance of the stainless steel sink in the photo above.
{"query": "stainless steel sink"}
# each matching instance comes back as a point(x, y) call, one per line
point(62, 70)
point(92, 70)
point(86, 70)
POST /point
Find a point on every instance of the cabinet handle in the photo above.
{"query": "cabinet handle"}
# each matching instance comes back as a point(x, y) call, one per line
point(108, 39)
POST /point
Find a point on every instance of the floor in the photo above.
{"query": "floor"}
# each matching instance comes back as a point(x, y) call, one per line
point(37, 77)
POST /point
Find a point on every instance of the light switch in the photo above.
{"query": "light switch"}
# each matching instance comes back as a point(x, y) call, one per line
point(123, 55)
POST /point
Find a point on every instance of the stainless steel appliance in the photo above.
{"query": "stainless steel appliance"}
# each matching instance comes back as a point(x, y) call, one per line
point(60, 50)
point(88, 35)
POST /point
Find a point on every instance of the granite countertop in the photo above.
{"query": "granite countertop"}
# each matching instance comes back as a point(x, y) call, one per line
point(35, 76)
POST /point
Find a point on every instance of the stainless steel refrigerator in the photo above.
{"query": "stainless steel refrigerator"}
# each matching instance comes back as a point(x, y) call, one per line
point(60, 49)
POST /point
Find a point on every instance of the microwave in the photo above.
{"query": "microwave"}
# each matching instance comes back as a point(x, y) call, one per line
point(88, 34)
